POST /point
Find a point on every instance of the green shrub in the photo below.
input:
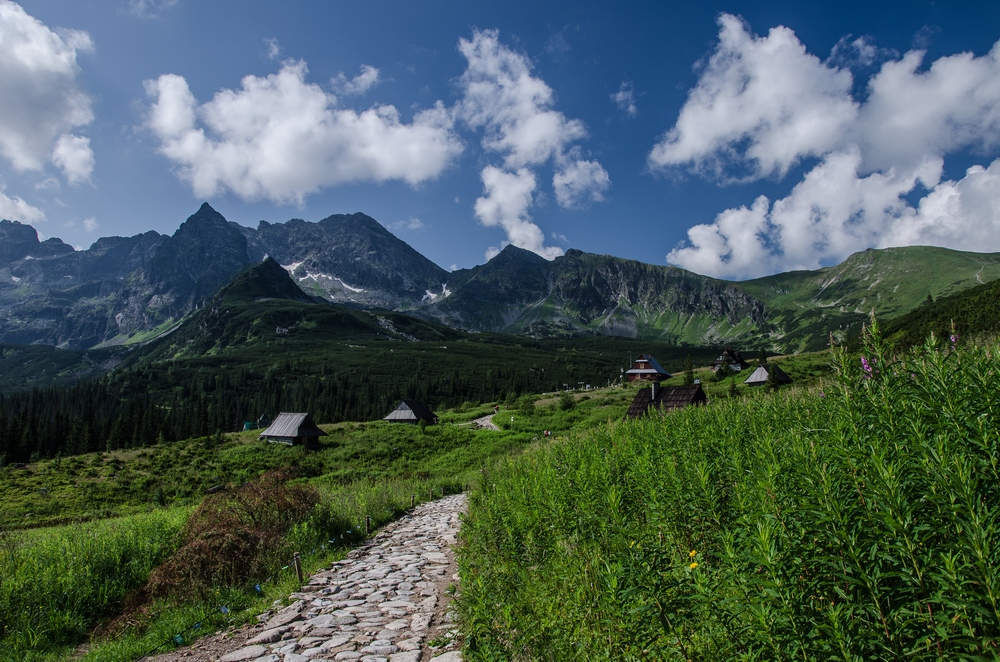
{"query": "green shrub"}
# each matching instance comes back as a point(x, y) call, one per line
point(526, 405)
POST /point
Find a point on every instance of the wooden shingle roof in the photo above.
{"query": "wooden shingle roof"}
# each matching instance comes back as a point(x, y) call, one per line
point(759, 376)
point(293, 425)
point(647, 366)
point(410, 411)
point(729, 357)
point(665, 399)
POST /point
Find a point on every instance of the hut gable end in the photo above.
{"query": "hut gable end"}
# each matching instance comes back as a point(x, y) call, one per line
point(646, 369)
point(731, 359)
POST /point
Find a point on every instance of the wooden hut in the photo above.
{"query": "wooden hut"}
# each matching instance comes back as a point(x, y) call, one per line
point(664, 399)
point(760, 376)
point(293, 429)
point(646, 369)
point(411, 411)
point(730, 359)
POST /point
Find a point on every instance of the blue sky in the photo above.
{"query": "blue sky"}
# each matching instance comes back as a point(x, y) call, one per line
point(732, 139)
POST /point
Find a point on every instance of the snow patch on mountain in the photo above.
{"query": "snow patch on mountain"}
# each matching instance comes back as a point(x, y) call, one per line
point(316, 277)
point(434, 296)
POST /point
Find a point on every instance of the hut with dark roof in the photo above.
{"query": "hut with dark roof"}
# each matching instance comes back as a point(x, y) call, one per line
point(729, 359)
point(664, 399)
point(293, 429)
point(760, 376)
point(646, 369)
point(411, 411)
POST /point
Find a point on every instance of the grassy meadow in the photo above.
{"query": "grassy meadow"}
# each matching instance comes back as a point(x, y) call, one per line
point(86, 540)
point(855, 520)
point(96, 549)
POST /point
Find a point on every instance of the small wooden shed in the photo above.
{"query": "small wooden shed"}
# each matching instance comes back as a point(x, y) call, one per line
point(293, 429)
point(411, 411)
point(759, 376)
point(730, 359)
point(646, 369)
point(664, 399)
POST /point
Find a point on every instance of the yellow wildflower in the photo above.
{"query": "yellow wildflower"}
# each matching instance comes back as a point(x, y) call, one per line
point(692, 554)
point(693, 565)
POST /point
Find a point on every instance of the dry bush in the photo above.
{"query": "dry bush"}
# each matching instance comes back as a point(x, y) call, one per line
point(235, 537)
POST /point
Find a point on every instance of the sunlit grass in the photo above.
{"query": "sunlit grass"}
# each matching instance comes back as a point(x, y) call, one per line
point(856, 521)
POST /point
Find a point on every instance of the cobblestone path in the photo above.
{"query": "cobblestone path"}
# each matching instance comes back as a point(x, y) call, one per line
point(386, 602)
point(486, 422)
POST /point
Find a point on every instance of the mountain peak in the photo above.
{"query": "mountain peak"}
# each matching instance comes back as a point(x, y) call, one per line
point(264, 280)
point(205, 214)
point(512, 252)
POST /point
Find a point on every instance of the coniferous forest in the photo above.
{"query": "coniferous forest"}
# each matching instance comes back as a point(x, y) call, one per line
point(164, 401)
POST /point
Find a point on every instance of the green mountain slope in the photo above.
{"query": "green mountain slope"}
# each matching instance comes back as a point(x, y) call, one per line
point(261, 346)
point(972, 312)
point(582, 294)
point(804, 307)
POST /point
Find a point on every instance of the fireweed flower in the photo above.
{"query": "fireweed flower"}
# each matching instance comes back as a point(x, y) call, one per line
point(866, 367)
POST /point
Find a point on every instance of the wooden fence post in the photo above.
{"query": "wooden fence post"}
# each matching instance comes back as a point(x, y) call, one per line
point(413, 500)
point(297, 562)
point(368, 525)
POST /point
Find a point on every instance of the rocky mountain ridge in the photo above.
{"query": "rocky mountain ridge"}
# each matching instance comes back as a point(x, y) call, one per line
point(129, 289)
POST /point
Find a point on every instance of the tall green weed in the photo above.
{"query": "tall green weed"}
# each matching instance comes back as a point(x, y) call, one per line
point(858, 523)
point(56, 584)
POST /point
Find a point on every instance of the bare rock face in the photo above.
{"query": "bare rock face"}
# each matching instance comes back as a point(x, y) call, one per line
point(127, 288)
point(351, 258)
point(123, 286)
point(581, 294)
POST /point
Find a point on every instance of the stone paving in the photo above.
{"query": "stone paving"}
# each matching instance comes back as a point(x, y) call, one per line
point(486, 423)
point(386, 602)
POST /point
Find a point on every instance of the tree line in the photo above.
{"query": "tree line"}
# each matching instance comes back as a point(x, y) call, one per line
point(168, 401)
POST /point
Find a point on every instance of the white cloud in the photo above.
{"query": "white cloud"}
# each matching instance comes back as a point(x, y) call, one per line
point(273, 48)
point(964, 215)
point(149, 8)
point(579, 182)
point(514, 109)
point(873, 155)
point(16, 209)
point(40, 99)
point(408, 224)
point(909, 113)
point(90, 224)
point(506, 203)
point(366, 80)
point(624, 98)
point(282, 138)
point(858, 53)
point(48, 184)
point(761, 104)
point(72, 154)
